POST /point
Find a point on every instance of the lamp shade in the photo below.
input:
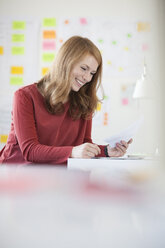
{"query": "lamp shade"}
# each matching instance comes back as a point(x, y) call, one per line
point(143, 87)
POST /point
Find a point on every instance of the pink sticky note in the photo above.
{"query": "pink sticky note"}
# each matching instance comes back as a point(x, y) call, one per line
point(125, 101)
point(83, 21)
point(48, 45)
point(144, 47)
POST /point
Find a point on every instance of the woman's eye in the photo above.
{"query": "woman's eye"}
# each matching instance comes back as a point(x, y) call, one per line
point(83, 68)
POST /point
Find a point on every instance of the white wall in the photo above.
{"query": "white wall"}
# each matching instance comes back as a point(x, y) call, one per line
point(133, 10)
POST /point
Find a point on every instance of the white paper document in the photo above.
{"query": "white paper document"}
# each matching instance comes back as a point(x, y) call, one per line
point(126, 134)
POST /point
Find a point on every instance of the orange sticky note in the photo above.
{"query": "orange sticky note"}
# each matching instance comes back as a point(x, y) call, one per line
point(49, 34)
point(17, 70)
point(3, 138)
point(1, 50)
point(143, 26)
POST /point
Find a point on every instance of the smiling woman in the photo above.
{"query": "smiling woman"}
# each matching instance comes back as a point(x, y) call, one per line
point(52, 119)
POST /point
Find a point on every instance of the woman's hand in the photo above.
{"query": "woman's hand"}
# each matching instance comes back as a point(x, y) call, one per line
point(119, 150)
point(86, 150)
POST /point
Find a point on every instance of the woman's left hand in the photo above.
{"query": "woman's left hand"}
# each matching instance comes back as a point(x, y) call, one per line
point(119, 150)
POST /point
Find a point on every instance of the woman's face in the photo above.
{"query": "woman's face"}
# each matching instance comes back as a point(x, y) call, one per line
point(83, 72)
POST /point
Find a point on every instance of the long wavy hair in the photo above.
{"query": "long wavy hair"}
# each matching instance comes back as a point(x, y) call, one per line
point(55, 86)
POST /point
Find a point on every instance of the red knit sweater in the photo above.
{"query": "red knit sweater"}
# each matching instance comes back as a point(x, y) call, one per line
point(36, 136)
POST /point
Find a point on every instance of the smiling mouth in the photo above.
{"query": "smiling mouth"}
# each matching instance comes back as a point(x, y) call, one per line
point(79, 82)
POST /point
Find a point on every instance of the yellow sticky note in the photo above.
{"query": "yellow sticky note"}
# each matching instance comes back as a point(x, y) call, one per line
point(120, 68)
point(48, 57)
point(18, 25)
point(3, 138)
point(1, 50)
point(99, 106)
point(16, 69)
point(17, 51)
point(49, 22)
point(18, 38)
point(143, 26)
point(16, 80)
point(126, 48)
point(44, 70)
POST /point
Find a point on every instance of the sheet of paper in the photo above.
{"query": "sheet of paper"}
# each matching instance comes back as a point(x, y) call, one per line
point(126, 134)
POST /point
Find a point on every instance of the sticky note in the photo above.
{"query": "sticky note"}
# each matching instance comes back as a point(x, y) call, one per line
point(83, 21)
point(66, 22)
point(105, 97)
point(99, 106)
point(129, 35)
point(105, 122)
point(48, 45)
point(18, 38)
point(16, 70)
point(48, 57)
point(3, 138)
point(18, 25)
point(16, 80)
point(100, 41)
point(143, 26)
point(114, 42)
point(125, 101)
point(49, 34)
point(1, 50)
point(44, 70)
point(126, 48)
point(144, 47)
point(49, 22)
point(17, 51)
point(120, 68)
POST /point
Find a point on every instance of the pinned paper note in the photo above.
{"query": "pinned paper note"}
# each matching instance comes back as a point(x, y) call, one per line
point(48, 57)
point(16, 81)
point(18, 51)
point(1, 50)
point(17, 70)
point(48, 45)
point(49, 34)
point(18, 25)
point(18, 38)
point(49, 22)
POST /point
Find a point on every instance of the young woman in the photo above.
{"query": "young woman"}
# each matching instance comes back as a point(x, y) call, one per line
point(52, 119)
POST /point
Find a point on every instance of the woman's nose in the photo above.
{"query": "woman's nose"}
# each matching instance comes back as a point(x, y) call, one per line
point(87, 77)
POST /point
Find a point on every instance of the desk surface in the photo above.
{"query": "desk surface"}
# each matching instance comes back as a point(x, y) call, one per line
point(46, 206)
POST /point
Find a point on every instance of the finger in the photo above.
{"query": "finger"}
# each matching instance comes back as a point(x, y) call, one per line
point(130, 141)
point(124, 143)
point(94, 148)
point(121, 148)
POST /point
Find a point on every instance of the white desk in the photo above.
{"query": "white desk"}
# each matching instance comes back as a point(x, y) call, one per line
point(54, 207)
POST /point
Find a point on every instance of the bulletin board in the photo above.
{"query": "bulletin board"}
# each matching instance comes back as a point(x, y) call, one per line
point(28, 48)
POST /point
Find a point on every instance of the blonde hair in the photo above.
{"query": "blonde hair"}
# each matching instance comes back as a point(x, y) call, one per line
point(55, 86)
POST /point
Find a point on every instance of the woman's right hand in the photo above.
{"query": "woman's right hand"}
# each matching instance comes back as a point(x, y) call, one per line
point(86, 150)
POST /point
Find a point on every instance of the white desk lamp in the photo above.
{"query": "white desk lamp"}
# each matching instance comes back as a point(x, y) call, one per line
point(143, 87)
